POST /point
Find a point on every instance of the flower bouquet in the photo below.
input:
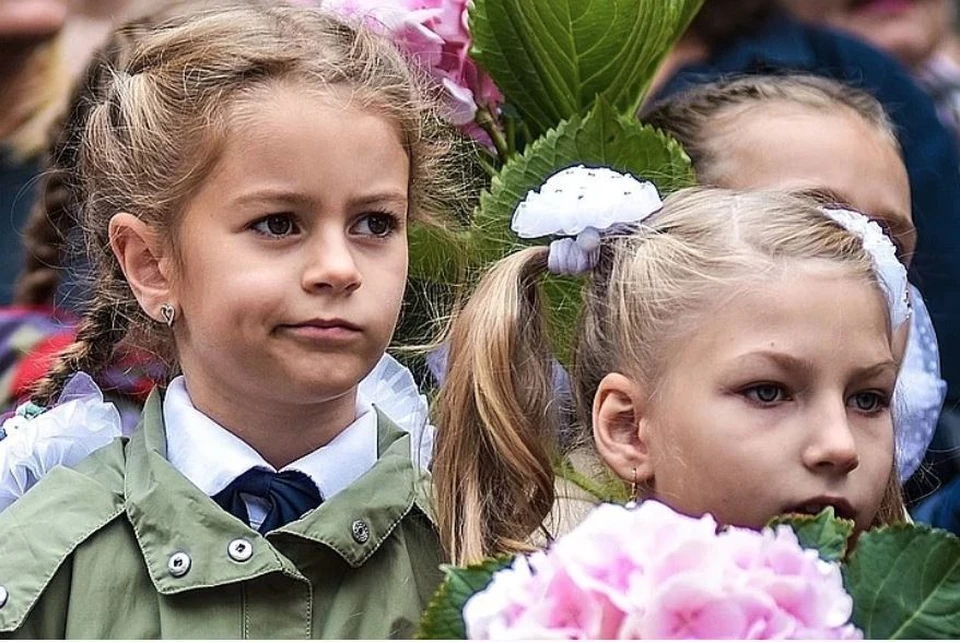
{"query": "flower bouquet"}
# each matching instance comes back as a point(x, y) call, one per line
point(651, 573)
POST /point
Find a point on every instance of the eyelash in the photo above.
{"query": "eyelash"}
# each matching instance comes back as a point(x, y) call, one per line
point(753, 388)
point(265, 221)
point(261, 225)
point(393, 222)
point(882, 400)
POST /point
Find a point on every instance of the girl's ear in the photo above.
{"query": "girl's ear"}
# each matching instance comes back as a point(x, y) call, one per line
point(619, 428)
point(140, 251)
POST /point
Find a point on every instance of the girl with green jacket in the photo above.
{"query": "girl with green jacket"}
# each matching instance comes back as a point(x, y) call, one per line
point(247, 177)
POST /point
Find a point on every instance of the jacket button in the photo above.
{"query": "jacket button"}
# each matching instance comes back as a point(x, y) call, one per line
point(4, 595)
point(360, 530)
point(240, 550)
point(178, 564)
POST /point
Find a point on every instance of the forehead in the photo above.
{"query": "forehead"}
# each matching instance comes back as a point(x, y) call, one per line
point(289, 132)
point(782, 145)
point(812, 310)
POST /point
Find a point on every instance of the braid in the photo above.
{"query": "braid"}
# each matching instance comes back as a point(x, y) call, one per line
point(44, 239)
point(55, 213)
point(104, 325)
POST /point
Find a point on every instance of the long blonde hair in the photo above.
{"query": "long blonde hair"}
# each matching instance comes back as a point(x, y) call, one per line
point(496, 441)
point(160, 114)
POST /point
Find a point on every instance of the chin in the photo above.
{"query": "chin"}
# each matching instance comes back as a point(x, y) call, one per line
point(325, 383)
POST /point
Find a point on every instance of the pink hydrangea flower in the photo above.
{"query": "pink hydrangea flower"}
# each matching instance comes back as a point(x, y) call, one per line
point(651, 573)
point(435, 33)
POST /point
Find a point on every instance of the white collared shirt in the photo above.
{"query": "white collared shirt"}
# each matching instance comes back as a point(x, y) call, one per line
point(211, 457)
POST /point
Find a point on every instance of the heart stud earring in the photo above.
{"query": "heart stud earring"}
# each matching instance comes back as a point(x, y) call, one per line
point(168, 313)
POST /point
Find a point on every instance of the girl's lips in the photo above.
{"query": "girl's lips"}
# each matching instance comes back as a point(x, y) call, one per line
point(324, 330)
point(327, 323)
point(841, 507)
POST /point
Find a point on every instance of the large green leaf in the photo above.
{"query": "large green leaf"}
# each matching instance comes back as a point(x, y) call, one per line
point(601, 138)
point(443, 619)
point(824, 532)
point(552, 58)
point(438, 253)
point(905, 583)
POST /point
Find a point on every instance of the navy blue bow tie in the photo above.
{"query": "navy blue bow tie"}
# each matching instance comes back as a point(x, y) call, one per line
point(289, 495)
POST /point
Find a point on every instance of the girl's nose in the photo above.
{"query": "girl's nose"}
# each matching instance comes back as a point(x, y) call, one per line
point(331, 264)
point(832, 447)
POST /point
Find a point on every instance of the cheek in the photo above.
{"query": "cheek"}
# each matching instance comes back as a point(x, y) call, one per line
point(388, 274)
point(876, 459)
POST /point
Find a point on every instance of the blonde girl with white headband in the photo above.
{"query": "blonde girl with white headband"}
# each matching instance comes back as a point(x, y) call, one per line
point(734, 356)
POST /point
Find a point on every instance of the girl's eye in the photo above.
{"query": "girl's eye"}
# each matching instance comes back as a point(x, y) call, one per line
point(868, 402)
point(377, 224)
point(765, 393)
point(276, 225)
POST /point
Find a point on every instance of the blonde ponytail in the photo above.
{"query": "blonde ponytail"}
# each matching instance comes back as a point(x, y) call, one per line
point(492, 469)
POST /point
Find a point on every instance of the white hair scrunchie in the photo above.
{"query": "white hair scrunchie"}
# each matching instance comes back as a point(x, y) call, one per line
point(580, 204)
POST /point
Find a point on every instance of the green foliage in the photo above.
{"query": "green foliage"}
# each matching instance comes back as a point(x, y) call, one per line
point(905, 583)
point(603, 485)
point(824, 532)
point(437, 253)
point(552, 58)
point(601, 138)
point(443, 619)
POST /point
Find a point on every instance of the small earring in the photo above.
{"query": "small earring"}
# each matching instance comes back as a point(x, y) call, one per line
point(168, 313)
point(634, 491)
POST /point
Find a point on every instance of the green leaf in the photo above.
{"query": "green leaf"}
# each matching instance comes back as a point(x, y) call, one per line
point(552, 58)
point(437, 253)
point(905, 583)
point(601, 138)
point(443, 619)
point(824, 532)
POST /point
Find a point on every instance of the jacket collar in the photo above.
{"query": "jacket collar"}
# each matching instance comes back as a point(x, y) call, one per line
point(170, 515)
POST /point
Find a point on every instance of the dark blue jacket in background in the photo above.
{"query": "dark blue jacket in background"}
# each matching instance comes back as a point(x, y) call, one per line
point(17, 193)
point(931, 158)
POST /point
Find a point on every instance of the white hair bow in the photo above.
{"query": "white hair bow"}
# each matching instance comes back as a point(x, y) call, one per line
point(580, 204)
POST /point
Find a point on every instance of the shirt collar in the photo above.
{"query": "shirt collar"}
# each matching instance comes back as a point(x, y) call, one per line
point(211, 457)
point(170, 514)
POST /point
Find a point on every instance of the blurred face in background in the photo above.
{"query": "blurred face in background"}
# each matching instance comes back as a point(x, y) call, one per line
point(82, 25)
point(839, 155)
point(910, 30)
point(23, 22)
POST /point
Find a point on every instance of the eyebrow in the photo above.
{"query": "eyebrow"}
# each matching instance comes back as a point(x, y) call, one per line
point(300, 199)
point(804, 366)
point(274, 195)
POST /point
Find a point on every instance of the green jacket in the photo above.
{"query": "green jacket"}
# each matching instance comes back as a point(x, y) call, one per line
point(100, 551)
